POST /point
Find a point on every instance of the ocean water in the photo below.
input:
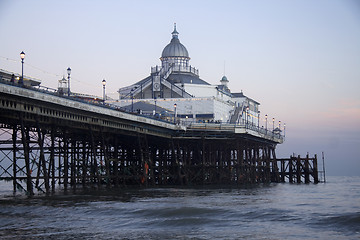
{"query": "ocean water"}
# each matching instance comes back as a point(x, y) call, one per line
point(328, 210)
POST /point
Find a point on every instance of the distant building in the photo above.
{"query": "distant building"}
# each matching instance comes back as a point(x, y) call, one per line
point(15, 77)
point(177, 87)
point(63, 90)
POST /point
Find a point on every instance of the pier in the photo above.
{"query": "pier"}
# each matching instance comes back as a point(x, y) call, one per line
point(48, 139)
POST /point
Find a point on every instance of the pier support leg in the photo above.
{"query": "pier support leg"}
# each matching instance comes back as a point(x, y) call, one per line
point(116, 163)
point(306, 169)
point(298, 169)
point(66, 162)
point(85, 151)
point(73, 151)
point(105, 158)
point(291, 169)
point(42, 162)
point(25, 142)
point(146, 164)
point(14, 138)
point(275, 168)
point(52, 159)
point(94, 165)
point(315, 170)
point(283, 170)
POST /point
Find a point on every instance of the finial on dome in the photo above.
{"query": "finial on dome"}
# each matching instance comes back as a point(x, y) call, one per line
point(175, 33)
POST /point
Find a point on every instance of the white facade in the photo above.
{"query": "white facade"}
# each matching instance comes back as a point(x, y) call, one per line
point(193, 109)
point(177, 82)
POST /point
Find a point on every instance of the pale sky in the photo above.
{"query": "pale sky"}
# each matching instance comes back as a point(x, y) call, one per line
point(299, 59)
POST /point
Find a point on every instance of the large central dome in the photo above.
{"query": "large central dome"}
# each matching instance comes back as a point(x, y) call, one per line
point(175, 48)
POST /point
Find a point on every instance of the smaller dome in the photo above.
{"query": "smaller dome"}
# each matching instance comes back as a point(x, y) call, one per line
point(224, 79)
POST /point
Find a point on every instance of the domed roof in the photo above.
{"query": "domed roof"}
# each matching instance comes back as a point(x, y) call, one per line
point(175, 48)
point(224, 79)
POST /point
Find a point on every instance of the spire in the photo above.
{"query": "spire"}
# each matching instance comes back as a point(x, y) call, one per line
point(175, 33)
point(224, 68)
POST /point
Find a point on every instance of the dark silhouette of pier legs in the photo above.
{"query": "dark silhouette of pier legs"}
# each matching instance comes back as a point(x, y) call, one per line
point(96, 157)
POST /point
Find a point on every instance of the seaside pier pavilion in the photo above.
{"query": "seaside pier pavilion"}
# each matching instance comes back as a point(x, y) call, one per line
point(171, 128)
point(175, 89)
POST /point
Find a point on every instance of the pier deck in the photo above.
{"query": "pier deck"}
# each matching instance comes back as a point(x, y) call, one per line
point(49, 139)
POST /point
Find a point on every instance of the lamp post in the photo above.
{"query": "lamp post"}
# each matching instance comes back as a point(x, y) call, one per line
point(69, 72)
point(175, 113)
point(273, 124)
point(266, 121)
point(258, 119)
point(22, 56)
point(284, 129)
point(104, 96)
point(279, 124)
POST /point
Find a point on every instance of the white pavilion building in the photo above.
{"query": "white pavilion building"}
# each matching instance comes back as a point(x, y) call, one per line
point(175, 89)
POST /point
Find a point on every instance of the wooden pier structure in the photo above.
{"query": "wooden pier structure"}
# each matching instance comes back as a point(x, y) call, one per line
point(47, 140)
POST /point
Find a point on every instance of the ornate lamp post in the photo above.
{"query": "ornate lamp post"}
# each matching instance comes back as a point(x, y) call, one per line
point(273, 124)
point(104, 96)
point(266, 116)
point(69, 72)
point(22, 56)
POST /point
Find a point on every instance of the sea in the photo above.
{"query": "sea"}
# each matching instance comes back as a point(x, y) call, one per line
point(328, 210)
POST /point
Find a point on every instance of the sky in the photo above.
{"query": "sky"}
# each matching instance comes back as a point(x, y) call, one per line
point(299, 59)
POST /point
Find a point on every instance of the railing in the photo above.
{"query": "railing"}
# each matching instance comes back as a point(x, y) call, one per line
point(175, 68)
point(180, 68)
point(189, 125)
point(54, 92)
point(168, 72)
point(232, 127)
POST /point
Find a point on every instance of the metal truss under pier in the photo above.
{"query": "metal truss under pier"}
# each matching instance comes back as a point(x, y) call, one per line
point(47, 140)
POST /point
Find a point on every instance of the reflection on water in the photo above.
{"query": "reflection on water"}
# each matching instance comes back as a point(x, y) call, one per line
point(274, 211)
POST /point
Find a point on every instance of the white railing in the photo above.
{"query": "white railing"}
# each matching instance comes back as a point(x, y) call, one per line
point(232, 127)
point(251, 128)
point(174, 68)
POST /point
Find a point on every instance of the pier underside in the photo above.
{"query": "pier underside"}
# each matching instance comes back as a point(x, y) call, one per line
point(40, 158)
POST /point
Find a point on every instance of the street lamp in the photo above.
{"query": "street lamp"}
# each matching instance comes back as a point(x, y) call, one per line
point(22, 56)
point(266, 121)
point(69, 72)
point(279, 124)
point(284, 129)
point(175, 113)
point(258, 119)
point(273, 123)
point(104, 83)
